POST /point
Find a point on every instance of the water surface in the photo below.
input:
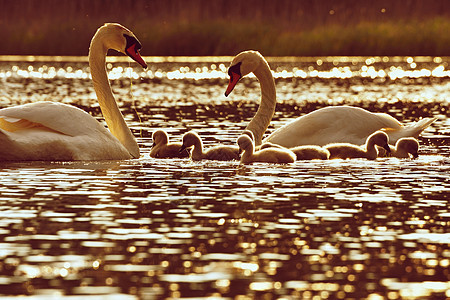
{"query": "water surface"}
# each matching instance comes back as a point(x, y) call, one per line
point(151, 229)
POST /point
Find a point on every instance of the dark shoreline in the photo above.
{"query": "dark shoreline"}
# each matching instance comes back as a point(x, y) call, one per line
point(200, 27)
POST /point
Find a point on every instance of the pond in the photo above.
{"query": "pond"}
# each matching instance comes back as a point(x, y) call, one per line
point(173, 228)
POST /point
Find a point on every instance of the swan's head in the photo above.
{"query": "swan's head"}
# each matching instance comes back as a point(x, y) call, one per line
point(244, 63)
point(160, 137)
point(245, 143)
point(408, 145)
point(119, 38)
point(379, 138)
point(190, 139)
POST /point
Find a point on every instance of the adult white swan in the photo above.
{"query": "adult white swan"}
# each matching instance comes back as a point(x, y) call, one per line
point(55, 131)
point(326, 125)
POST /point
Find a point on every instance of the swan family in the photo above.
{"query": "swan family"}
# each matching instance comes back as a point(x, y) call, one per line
point(53, 131)
point(335, 124)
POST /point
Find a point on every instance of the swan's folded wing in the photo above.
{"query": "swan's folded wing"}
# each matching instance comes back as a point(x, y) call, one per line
point(13, 125)
point(51, 116)
point(330, 125)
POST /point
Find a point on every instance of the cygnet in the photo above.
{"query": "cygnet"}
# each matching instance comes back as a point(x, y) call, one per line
point(163, 149)
point(268, 155)
point(220, 152)
point(346, 150)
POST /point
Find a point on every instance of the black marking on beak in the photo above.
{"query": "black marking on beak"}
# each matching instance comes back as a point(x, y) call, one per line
point(132, 50)
point(235, 75)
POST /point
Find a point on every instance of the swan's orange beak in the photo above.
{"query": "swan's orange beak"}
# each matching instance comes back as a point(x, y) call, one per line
point(234, 79)
point(133, 52)
point(235, 75)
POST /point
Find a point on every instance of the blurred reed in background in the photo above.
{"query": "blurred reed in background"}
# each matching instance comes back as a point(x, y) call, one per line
point(225, 27)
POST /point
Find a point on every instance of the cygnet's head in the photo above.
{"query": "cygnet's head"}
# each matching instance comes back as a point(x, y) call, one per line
point(191, 138)
point(245, 143)
point(249, 133)
point(243, 64)
point(409, 145)
point(160, 137)
point(381, 139)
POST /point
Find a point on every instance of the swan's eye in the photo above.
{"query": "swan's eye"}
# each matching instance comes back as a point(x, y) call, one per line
point(236, 69)
point(132, 49)
point(132, 41)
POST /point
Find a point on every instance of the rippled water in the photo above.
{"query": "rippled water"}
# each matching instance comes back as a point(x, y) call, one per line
point(153, 229)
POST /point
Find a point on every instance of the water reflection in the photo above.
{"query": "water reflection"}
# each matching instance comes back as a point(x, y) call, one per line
point(191, 229)
point(391, 68)
point(152, 228)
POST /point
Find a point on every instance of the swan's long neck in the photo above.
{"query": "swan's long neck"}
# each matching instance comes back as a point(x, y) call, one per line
point(263, 116)
point(108, 105)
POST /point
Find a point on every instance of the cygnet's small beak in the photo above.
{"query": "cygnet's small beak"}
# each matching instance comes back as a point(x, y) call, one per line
point(387, 148)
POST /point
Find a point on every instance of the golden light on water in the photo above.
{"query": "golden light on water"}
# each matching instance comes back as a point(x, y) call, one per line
point(217, 68)
point(213, 73)
point(153, 228)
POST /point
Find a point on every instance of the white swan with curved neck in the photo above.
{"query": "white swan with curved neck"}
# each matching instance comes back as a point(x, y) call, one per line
point(55, 131)
point(334, 124)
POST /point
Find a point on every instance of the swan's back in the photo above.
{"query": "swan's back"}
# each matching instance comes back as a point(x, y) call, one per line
point(40, 143)
point(59, 117)
point(55, 131)
point(335, 124)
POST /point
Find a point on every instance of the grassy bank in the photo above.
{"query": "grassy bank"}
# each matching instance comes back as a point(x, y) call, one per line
point(201, 27)
point(428, 37)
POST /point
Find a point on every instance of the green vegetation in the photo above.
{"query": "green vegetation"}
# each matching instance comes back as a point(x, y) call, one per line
point(429, 37)
point(219, 27)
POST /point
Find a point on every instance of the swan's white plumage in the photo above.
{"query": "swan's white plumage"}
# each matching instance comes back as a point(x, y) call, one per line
point(327, 125)
point(56, 131)
point(55, 116)
point(335, 124)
